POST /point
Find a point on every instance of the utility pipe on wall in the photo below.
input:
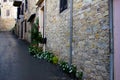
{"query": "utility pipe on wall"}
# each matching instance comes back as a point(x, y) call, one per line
point(44, 17)
point(71, 31)
point(111, 39)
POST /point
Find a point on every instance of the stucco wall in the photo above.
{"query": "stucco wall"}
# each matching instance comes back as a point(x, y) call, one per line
point(90, 36)
point(8, 6)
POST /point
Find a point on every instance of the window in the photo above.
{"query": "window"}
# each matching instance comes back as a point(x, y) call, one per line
point(4, 0)
point(22, 10)
point(26, 5)
point(8, 13)
point(25, 25)
point(18, 12)
point(63, 5)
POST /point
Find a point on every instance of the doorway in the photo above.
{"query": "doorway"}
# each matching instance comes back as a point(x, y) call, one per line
point(41, 20)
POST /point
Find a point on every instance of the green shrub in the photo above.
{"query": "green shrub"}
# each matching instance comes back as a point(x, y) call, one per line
point(47, 56)
point(69, 69)
point(50, 57)
point(55, 60)
point(36, 36)
point(79, 75)
point(34, 33)
point(33, 50)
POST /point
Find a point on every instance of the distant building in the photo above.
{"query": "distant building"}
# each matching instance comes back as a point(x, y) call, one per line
point(25, 16)
point(8, 15)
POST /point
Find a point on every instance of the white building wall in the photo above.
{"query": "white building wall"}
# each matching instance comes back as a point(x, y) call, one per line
point(8, 15)
point(8, 6)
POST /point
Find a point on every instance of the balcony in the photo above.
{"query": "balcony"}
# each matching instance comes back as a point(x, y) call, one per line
point(17, 3)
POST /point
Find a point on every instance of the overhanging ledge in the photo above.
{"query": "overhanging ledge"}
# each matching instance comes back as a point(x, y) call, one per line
point(31, 17)
point(39, 2)
point(17, 3)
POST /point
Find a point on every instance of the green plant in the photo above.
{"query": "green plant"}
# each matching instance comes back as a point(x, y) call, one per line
point(47, 56)
point(79, 75)
point(50, 57)
point(64, 65)
point(33, 49)
point(39, 37)
point(37, 20)
point(36, 36)
point(55, 60)
point(72, 69)
point(69, 69)
point(34, 43)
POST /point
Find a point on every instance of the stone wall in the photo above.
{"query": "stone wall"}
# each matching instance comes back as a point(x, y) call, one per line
point(7, 24)
point(90, 36)
point(31, 10)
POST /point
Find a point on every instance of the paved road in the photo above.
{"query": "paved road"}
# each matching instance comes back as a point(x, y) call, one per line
point(17, 64)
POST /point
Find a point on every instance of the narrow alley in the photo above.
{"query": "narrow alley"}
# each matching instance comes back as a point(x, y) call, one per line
point(59, 39)
point(17, 64)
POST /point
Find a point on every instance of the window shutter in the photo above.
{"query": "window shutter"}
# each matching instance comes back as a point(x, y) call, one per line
point(26, 5)
point(18, 13)
point(25, 25)
point(22, 9)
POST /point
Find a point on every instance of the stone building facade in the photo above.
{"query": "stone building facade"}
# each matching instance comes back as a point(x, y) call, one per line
point(90, 35)
point(31, 10)
point(26, 9)
point(8, 15)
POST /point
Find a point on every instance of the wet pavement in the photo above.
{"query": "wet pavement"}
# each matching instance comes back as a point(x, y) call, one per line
point(17, 64)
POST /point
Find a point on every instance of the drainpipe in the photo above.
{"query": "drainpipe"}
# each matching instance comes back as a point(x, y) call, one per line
point(44, 17)
point(71, 31)
point(111, 39)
